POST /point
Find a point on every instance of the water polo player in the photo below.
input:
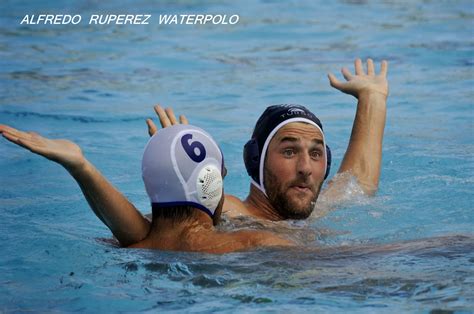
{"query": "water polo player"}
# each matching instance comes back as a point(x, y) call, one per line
point(287, 157)
point(183, 170)
point(362, 160)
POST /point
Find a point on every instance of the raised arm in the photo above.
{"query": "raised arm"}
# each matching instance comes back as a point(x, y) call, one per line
point(112, 208)
point(363, 156)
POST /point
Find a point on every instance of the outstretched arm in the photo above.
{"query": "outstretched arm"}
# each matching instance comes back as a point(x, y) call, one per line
point(364, 152)
point(112, 208)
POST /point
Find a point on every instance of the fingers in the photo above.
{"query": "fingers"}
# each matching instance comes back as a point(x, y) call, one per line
point(358, 67)
point(167, 118)
point(334, 81)
point(370, 67)
point(384, 68)
point(12, 138)
point(164, 120)
point(346, 73)
point(13, 134)
point(21, 141)
point(183, 119)
point(171, 116)
point(29, 140)
point(12, 131)
point(151, 127)
point(3, 128)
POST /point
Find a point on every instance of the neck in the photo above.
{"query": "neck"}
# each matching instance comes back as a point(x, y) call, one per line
point(259, 205)
point(170, 234)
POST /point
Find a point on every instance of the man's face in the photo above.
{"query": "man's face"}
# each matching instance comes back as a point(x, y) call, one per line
point(294, 170)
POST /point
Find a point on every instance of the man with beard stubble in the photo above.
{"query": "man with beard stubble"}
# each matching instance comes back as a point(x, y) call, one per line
point(298, 160)
point(287, 159)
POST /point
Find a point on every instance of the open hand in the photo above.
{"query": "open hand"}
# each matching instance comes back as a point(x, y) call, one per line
point(361, 82)
point(64, 152)
point(167, 118)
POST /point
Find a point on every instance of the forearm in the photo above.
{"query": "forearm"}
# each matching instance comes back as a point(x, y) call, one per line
point(115, 211)
point(364, 152)
point(112, 207)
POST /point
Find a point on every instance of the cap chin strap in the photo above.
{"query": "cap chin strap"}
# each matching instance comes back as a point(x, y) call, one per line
point(261, 185)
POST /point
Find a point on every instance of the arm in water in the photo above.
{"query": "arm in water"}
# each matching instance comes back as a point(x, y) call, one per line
point(113, 209)
point(364, 153)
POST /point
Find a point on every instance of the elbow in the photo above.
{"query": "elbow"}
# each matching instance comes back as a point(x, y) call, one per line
point(369, 187)
point(367, 176)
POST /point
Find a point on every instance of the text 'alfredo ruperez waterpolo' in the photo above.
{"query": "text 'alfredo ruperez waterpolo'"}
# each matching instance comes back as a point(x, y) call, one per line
point(130, 19)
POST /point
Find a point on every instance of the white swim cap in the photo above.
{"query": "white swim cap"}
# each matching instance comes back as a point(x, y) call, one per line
point(182, 166)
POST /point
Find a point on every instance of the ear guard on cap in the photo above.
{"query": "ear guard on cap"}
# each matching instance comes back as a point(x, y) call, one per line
point(252, 159)
point(209, 187)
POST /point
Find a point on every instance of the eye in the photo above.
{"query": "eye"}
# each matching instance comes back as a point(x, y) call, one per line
point(289, 152)
point(316, 154)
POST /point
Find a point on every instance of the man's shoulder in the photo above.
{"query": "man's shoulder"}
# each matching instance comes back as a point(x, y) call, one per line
point(261, 238)
point(234, 207)
point(242, 240)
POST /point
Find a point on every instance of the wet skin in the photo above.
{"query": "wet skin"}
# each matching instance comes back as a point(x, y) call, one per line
point(294, 169)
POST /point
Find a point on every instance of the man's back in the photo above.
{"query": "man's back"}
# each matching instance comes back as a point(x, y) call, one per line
point(199, 235)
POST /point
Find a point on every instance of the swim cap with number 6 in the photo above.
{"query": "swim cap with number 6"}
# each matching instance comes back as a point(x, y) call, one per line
point(182, 166)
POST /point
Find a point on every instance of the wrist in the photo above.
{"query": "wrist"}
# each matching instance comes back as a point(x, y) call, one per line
point(80, 167)
point(372, 103)
point(373, 94)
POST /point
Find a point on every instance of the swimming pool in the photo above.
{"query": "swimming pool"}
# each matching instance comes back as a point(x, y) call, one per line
point(96, 85)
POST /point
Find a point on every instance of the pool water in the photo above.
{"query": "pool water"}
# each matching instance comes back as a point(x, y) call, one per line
point(409, 249)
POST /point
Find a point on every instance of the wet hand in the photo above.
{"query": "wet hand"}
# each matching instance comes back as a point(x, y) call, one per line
point(362, 82)
point(64, 152)
point(167, 118)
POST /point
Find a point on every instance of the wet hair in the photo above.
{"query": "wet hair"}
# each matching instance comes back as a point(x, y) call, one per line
point(179, 213)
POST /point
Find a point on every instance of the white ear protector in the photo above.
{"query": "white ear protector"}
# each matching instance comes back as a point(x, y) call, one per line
point(209, 187)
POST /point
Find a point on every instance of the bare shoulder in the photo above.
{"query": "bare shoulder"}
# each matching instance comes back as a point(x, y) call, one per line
point(255, 238)
point(243, 240)
point(234, 207)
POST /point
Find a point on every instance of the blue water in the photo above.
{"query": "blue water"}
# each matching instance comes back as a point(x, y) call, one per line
point(409, 249)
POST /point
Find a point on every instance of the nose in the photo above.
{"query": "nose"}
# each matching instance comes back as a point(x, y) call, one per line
point(304, 165)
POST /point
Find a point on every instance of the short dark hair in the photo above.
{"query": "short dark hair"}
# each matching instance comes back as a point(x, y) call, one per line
point(174, 213)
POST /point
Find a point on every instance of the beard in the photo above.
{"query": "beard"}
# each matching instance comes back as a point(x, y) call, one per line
point(290, 207)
